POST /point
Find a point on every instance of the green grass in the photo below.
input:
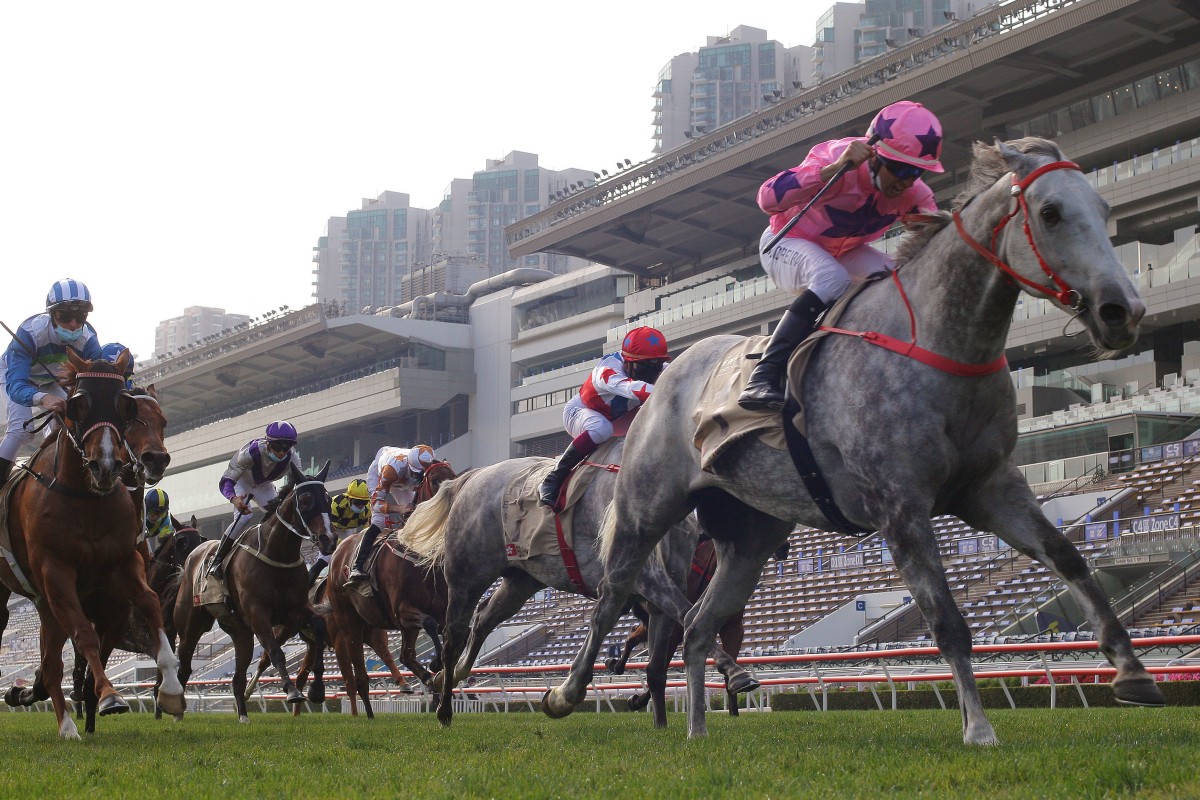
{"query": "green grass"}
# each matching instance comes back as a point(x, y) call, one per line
point(1068, 753)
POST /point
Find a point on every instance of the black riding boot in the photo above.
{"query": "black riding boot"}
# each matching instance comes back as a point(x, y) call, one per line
point(5, 468)
point(314, 571)
point(571, 457)
point(217, 570)
point(765, 389)
point(365, 542)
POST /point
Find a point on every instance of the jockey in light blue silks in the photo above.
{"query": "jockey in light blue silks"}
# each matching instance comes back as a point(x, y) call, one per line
point(37, 358)
point(252, 471)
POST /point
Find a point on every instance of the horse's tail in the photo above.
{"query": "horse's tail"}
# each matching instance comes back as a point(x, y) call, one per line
point(424, 531)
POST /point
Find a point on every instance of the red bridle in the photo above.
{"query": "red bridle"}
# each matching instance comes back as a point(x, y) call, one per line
point(1064, 293)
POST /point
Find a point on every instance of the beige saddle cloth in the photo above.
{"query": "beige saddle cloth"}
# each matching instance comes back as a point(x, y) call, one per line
point(529, 527)
point(720, 421)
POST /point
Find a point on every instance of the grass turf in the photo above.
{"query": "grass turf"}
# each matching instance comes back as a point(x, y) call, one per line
point(1068, 753)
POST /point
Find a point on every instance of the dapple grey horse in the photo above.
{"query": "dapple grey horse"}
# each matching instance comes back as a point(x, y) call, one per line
point(461, 531)
point(898, 440)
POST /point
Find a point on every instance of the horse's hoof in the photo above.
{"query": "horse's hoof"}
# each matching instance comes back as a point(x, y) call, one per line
point(295, 697)
point(552, 708)
point(13, 696)
point(613, 666)
point(243, 719)
point(316, 695)
point(1138, 692)
point(178, 717)
point(742, 682)
point(173, 704)
point(444, 719)
point(112, 704)
point(76, 696)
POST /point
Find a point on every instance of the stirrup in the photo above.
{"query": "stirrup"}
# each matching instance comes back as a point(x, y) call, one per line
point(765, 398)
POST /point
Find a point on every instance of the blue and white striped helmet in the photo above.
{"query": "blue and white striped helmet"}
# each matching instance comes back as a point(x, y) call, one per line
point(69, 293)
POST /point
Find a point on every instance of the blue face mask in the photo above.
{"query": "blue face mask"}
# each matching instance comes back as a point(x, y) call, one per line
point(69, 336)
point(271, 455)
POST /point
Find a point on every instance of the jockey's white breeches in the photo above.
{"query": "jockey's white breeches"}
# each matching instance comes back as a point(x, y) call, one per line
point(578, 418)
point(798, 264)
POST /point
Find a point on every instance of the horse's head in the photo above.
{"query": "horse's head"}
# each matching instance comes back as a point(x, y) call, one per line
point(1057, 241)
point(146, 435)
point(99, 410)
point(435, 475)
point(311, 506)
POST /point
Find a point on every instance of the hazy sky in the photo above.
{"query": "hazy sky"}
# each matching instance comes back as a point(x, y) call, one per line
point(172, 154)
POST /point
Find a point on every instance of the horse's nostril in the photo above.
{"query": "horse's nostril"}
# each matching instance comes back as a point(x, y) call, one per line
point(1114, 315)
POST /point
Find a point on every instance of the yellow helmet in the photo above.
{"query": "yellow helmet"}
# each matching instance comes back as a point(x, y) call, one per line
point(357, 490)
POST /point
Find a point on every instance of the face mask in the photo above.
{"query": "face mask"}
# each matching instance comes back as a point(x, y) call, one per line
point(69, 336)
point(271, 455)
point(358, 508)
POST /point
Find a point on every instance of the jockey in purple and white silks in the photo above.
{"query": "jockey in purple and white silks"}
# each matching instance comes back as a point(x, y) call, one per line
point(37, 358)
point(828, 247)
point(618, 384)
point(253, 471)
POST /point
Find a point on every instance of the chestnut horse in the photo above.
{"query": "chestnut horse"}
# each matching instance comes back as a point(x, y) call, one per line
point(407, 598)
point(72, 529)
point(267, 585)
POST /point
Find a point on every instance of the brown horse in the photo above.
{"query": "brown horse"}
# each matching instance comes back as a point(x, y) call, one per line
point(267, 585)
point(73, 529)
point(407, 598)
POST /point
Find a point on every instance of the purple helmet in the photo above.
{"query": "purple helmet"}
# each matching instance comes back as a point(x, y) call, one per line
point(281, 431)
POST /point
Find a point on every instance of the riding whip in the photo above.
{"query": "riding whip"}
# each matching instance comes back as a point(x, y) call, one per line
point(792, 222)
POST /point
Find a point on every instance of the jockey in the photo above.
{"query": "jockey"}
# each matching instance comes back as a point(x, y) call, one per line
point(252, 471)
point(619, 383)
point(158, 525)
point(111, 352)
point(37, 358)
point(393, 476)
point(829, 246)
point(348, 513)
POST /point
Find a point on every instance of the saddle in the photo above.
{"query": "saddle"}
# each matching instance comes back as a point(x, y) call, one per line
point(391, 539)
point(720, 422)
point(530, 528)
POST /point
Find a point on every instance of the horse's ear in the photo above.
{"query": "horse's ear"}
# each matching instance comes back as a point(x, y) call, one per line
point(192, 524)
point(77, 362)
point(151, 391)
point(295, 476)
point(124, 361)
point(1011, 155)
point(127, 407)
point(324, 471)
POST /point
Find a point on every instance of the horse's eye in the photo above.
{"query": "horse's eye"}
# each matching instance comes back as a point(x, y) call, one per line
point(1050, 214)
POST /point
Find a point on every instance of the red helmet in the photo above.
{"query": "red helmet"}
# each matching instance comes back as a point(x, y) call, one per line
point(909, 133)
point(644, 343)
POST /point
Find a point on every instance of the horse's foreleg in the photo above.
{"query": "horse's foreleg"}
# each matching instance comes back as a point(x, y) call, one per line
point(78, 676)
point(429, 625)
point(408, 653)
point(739, 567)
point(352, 636)
point(1008, 508)
point(510, 596)
point(378, 639)
point(315, 656)
point(243, 652)
point(50, 674)
point(271, 645)
point(169, 689)
point(341, 652)
point(914, 549)
point(629, 551)
point(638, 636)
point(61, 601)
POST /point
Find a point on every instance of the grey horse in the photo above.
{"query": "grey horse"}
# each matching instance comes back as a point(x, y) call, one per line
point(899, 441)
point(461, 532)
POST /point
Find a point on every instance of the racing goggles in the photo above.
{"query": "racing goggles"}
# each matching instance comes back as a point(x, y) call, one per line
point(900, 170)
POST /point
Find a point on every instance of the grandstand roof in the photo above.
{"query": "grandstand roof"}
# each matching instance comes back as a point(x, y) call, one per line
point(290, 350)
point(693, 208)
